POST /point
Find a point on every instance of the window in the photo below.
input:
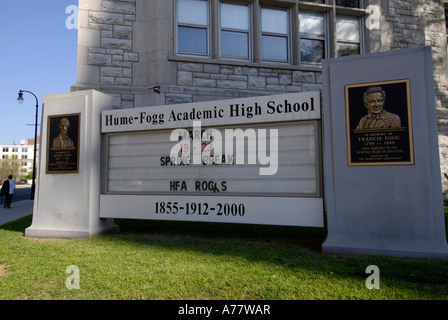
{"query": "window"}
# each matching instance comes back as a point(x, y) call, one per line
point(347, 36)
point(5, 149)
point(446, 26)
point(315, 1)
point(274, 34)
point(15, 149)
point(339, 3)
point(446, 19)
point(24, 149)
point(348, 3)
point(24, 156)
point(192, 27)
point(312, 37)
point(228, 29)
point(15, 157)
point(235, 31)
point(5, 156)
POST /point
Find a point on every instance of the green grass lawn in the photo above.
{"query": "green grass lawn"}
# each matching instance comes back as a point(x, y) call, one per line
point(180, 260)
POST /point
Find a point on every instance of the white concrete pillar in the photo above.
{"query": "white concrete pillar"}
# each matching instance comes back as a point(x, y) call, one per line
point(67, 202)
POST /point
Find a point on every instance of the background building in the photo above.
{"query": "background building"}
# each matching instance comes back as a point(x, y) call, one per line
point(17, 159)
point(156, 52)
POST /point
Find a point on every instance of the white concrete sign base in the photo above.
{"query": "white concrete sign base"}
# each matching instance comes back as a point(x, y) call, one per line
point(67, 196)
point(383, 195)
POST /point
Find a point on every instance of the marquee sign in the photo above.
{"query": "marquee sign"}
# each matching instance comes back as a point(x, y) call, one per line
point(251, 160)
point(278, 108)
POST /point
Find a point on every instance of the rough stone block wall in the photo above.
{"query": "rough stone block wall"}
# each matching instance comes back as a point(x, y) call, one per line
point(114, 55)
point(415, 23)
point(229, 81)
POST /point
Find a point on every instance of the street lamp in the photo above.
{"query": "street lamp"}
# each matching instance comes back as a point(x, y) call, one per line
point(20, 101)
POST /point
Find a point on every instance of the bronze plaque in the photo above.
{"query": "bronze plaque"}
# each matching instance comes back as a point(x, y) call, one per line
point(379, 126)
point(63, 144)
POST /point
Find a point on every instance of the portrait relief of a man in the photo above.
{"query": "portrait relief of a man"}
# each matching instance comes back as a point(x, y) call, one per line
point(63, 141)
point(379, 123)
point(374, 99)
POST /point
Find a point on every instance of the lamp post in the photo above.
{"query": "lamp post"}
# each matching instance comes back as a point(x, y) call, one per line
point(20, 101)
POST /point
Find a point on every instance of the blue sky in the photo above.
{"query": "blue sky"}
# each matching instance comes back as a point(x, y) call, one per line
point(37, 53)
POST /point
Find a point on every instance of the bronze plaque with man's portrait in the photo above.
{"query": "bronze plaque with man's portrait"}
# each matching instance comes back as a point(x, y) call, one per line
point(63, 144)
point(379, 126)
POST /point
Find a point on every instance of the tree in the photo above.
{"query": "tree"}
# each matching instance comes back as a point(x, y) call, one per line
point(9, 166)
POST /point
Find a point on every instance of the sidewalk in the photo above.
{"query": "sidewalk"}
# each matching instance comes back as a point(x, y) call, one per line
point(18, 209)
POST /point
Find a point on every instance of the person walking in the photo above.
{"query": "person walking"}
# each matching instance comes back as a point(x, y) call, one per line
point(8, 190)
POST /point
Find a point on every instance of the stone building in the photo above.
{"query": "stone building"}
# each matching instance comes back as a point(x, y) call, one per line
point(156, 52)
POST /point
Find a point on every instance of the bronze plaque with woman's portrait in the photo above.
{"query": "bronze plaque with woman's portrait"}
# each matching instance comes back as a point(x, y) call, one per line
point(63, 144)
point(379, 125)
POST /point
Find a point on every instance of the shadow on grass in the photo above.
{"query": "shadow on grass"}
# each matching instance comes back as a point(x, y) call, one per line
point(292, 248)
point(18, 225)
point(306, 237)
point(139, 230)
